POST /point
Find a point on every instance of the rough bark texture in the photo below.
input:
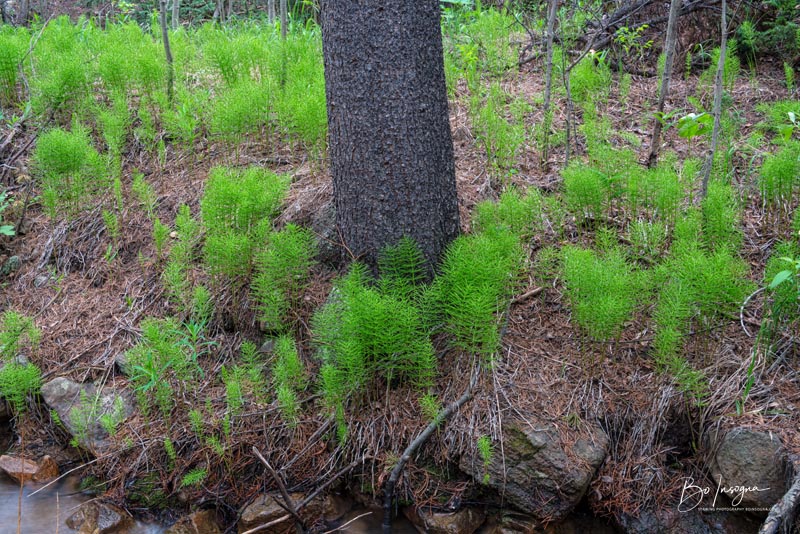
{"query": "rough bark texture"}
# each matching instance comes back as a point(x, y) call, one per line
point(389, 133)
point(709, 164)
point(552, 11)
point(167, 50)
point(669, 56)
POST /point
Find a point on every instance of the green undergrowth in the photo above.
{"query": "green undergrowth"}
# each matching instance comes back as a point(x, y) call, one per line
point(376, 331)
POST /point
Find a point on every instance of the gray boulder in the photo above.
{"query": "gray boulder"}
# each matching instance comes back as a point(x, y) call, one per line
point(541, 475)
point(86, 411)
point(751, 465)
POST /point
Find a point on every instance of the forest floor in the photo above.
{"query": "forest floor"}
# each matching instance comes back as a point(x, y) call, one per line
point(89, 311)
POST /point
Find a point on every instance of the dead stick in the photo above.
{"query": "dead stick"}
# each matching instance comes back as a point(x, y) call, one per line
point(289, 503)
point(784, 511)
point(532, 293)
point(417, 443)
point(311, 497)
point(311, 441)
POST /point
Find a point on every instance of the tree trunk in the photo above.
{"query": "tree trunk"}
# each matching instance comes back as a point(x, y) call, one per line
point(669, 59)
point(167, 50)
point(22, 13)
point(718, 79)
point(176, 14)
point(284, 19)
point(389, 132)
point(548, 116)
point(271, 11)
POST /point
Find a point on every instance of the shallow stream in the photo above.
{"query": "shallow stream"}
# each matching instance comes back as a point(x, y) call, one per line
point(46, 512)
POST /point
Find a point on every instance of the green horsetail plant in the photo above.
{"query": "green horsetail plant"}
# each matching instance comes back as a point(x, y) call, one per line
point(602, 290)
point(13, 44)
point(282, 269)
point(17, 382)
point(402, 270)
point(585, 191)
point(721, 217)
point(521, 215)
point(779, 176)
point(288, 375)
point(236, 211)
point(479, 273)
point(501, 137)
point(17, 332)
point(181, 256)
point(71, 170)
point(364, 334)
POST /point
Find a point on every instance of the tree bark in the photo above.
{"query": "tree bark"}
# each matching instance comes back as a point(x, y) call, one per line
point(548, 120)
point(284, 18)
point(23, 12)
point(271, 11)
point(176, 14)
point(389, 132)
point(669, 59)
point(162, 12)
point(718, 79)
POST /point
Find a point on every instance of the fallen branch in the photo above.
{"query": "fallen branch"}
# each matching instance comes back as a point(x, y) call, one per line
point(310, 498)
point(528, 294)
point(783, 513)
point(417, 443)
point(288, 503)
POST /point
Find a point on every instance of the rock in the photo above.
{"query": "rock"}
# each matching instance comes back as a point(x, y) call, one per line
point(463, 521)
point(752, 465)
point(336, 506)
point(323, 224)
point(672, 521)
point(22, 470)
point(265, 509)
point(80, 408)
point(99, 518)
point(41, 280)
point(540, 475)
point(10, 265)
point(202, 522)
point(665, 521)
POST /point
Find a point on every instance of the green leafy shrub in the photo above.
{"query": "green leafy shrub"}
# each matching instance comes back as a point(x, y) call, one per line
point(783, 309)
point(71, 170)
point(282, 268)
